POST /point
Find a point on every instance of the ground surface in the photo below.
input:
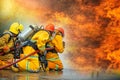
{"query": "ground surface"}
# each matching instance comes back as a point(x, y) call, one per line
point(66, 74)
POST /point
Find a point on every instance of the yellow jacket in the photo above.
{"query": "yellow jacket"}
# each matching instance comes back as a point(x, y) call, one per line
point(58, 43)
point(41, 39)
point(32, 63)
point(4, 41)
point(53, 59)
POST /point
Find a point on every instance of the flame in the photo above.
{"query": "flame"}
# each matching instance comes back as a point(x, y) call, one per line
point(98, 36)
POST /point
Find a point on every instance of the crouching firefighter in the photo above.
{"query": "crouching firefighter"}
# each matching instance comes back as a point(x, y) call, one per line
point(41, 38)
point(26, 47)
point(32, 63)
point(52, 57)
point(7, 40)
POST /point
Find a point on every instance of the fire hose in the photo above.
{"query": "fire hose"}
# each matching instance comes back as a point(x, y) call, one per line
point(23, 58)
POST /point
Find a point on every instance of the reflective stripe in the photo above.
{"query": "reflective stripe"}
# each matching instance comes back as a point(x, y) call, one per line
point(53, 59)
point(56, 67)
point(32, 56)
point(27, 65)
point(42, 48)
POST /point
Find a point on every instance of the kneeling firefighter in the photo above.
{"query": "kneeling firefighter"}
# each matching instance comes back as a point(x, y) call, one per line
point(37, 42)
point(41, 38)
point(7, 40)
point(52, 57)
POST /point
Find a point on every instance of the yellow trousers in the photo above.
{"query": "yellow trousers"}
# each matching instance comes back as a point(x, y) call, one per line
point(54, 61)
point(31, 63)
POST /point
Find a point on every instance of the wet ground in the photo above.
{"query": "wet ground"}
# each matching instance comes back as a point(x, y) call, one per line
point(66, 74)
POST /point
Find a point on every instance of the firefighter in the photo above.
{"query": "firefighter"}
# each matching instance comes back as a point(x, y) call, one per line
point(38, 41)
point(52, 57)
point(30, 64)
point(7, 40)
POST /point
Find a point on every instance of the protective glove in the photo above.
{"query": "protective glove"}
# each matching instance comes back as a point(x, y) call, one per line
point(14, 69)
point(2, 63)
point(6, 49)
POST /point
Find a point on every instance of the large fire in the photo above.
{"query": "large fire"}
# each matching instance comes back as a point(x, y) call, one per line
point(92, 29)
point(97, 33)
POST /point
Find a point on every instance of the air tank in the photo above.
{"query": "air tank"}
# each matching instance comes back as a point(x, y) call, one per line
point(28, 32)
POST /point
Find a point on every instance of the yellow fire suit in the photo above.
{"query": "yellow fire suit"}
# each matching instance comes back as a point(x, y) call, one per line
point(32, 63)
point(52, 56)
point(41, 38)
point(6, 41)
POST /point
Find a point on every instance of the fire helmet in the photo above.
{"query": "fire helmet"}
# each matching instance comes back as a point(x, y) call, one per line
point(16, 28)
point(61, 30)
point(50, 27)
